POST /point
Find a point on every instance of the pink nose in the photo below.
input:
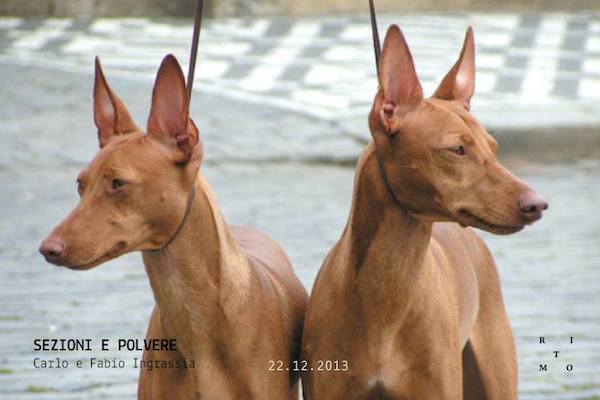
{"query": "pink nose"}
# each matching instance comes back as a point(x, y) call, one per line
point(532, 205)
point(52, 250)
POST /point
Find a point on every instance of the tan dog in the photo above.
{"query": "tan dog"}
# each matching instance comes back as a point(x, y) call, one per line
point(228, 296)
point(407, 306)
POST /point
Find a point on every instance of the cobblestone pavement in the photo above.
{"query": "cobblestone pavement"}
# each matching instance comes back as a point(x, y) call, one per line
point(260, 161)
point(527, 63)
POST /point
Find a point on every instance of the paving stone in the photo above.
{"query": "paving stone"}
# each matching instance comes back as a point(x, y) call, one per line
point(524, 58)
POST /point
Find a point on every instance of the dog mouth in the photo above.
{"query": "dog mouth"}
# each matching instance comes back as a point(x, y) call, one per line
point(476, 221)
point(115, 251)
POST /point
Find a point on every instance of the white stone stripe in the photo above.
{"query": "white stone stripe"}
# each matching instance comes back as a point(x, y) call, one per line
point(34, 40)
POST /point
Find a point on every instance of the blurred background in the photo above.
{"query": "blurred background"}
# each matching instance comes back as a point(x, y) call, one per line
point(281, 97)
point(245, 8)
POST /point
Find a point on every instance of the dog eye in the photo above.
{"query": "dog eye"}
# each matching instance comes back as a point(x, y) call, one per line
point(458, 150)
point(79, 187)
point(117, 184)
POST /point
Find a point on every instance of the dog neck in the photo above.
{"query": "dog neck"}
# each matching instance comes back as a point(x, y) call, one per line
point(199, 276)
point(386, 245)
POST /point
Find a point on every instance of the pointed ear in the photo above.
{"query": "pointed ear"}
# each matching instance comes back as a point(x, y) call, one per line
point(459, 82)
point(398, 78)
point(110, 113)
point(169, 118)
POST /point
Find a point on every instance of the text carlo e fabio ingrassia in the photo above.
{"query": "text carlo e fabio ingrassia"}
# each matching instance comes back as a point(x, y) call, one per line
point(72, 345)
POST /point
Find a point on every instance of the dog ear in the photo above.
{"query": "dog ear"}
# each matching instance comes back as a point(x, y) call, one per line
point(459, 82)
point(400, 86)
point(169, 116)
point(110, 113)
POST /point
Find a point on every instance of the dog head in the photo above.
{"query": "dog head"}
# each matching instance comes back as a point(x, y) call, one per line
point(134, 193)
point(440, 162)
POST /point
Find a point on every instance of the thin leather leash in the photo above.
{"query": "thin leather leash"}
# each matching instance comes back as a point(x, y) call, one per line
point(190, 84)
point(376, 43)
point(194, 49)
point(377, 49)
point(188, 208)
